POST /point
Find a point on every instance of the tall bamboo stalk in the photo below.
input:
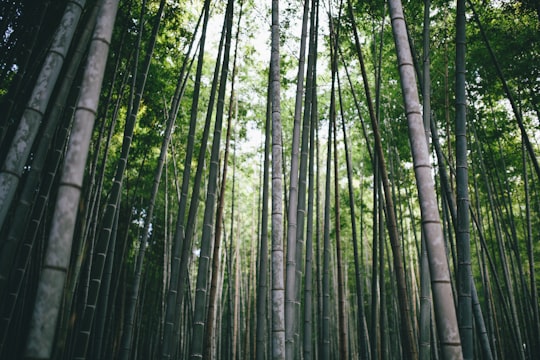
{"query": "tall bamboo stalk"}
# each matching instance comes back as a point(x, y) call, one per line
point(291, 293)
point(465, 318)
point(375, 335)
point(32, 117)
point(308, 287)
point(105, 240)
point(409, 343)
point(210, 327)
point(126, 342)
point(530, 256)
point(342, 302)
point(187, 237)
point(325, 338)
point(362, 334)
point(25, 201)
point(209, 211)
point(43, 324)
point(342, 324)
point(446, 318)
point(262, 281)
point(278, 288)
point(177, 262)
point(424, 341)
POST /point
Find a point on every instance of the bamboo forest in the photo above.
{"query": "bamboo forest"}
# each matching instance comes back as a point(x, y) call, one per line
point(278, 179)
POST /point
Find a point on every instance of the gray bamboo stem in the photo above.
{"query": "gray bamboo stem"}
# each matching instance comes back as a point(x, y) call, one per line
point(406, 327)
point(278, 286)
point(199, 315)
point(291, 295)
point(43, 324)
point(465, 315)
point(424, 341)
point(445, 311)
point(29, 126)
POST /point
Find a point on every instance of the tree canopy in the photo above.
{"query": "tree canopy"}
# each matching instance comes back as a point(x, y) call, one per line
point(285, 179)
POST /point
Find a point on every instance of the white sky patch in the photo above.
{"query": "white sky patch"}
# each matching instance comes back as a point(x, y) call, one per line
point(254, 139)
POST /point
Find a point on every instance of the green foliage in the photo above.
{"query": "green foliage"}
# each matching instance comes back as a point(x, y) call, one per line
point(512, 31)
point(496, 174)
